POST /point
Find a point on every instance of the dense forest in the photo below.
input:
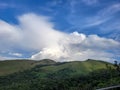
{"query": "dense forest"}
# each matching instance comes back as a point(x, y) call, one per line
point(32, 80)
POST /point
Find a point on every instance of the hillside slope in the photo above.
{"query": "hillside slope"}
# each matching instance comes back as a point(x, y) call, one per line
point(49, 67)
point(50, 75)
point(12, 66)
point(70, 69)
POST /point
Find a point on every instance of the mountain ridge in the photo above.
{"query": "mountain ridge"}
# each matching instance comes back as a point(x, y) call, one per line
point(11, 66)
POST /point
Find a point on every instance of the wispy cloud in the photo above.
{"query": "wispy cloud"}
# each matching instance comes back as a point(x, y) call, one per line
point(106, 20)
point(15, 54)
point(110, 10)
point(36, 32)
point(95, 21)
point(3, 4)
point(6, 5)
point(103, 15)
point(73, 5)
point(90, 2)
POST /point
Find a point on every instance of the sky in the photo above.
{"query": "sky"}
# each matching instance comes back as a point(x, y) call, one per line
point(62, 30)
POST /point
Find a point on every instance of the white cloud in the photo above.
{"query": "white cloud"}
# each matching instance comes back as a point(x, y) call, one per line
point(9, 35)
point(2, 58)
point(79, 47)
point(103, 16)
point(72, 6)
point(15, 54)
point(6, 5)
point(110, 10)
point(3, 4)
point(36, 32)
point(90, 2)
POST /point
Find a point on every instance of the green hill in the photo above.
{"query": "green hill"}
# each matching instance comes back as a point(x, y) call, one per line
point(70, 69)
point(50, 75)
point(49, 67)
point(12, 66)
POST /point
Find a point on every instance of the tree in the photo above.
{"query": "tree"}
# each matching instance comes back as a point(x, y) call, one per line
point(117, 66)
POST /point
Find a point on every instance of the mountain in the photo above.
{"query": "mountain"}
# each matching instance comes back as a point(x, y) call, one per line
point(49, 66)
point(12, 66)
point(50, 75)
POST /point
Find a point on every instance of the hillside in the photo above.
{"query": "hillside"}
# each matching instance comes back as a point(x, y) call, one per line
point(70, 69)
point(48, 66)
point(12, 66)
point(49, 75)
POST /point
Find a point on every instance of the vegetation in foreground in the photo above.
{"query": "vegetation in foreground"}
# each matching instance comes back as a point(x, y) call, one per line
point(87, 75)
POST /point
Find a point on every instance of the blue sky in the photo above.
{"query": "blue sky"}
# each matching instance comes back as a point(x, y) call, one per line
point(88, 17)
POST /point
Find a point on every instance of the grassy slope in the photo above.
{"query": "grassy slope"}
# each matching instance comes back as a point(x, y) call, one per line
point(71, 69)
point(11, 66)
point(52, 68)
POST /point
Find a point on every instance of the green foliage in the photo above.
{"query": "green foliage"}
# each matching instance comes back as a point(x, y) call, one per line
point(11, 66)
point(28, 81)
point(87, 75)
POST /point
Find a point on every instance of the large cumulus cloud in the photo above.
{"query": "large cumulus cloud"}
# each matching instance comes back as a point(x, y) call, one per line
point(37, 33)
